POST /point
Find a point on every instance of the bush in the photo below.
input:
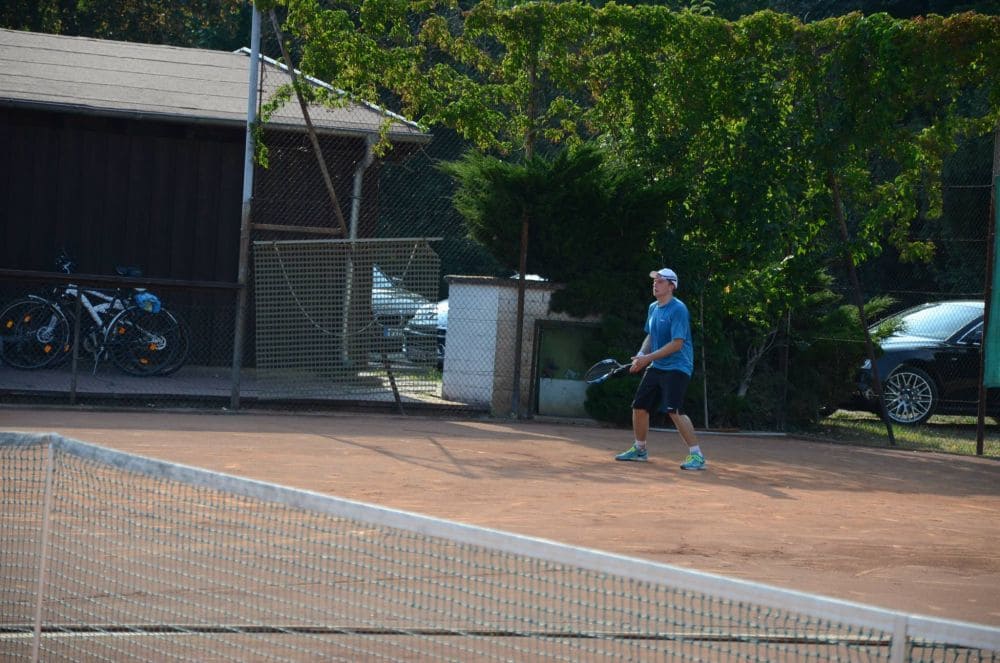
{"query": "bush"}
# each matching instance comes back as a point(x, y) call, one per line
point(611, 401)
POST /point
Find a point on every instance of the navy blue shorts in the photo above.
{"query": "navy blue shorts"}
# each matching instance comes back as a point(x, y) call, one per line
point(661, 391)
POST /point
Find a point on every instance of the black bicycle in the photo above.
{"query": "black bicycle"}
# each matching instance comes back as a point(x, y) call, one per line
point(131, 327)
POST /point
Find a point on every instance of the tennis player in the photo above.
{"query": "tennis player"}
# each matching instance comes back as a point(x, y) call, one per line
point(667, 357)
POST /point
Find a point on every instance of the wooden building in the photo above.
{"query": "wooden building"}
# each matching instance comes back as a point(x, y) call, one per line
point(132, 154)
point(126, 154)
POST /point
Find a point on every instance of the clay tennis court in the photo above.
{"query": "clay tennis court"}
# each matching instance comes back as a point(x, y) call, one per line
point(917, 532)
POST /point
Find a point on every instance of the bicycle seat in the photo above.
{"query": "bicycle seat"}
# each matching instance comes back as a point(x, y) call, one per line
point(65, 264)
point(128, 271)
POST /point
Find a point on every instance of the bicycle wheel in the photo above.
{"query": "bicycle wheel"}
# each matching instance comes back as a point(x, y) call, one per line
point(61, 357)
point(145, 343)
point(33, 334)
point(180, 339)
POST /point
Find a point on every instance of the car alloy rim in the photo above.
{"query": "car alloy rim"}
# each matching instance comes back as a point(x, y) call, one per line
point(908, 397)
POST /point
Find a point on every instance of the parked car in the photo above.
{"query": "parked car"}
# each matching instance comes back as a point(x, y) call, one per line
point(393, 307)
point(425, 333)
point(929, 364)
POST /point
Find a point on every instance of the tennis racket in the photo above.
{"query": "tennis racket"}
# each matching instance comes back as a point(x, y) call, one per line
point(602, 370)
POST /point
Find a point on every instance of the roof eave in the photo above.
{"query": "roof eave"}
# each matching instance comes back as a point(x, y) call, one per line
point(315, 81)
point(233, 123)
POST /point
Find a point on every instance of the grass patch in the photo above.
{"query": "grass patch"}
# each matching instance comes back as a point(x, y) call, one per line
point(956, 435)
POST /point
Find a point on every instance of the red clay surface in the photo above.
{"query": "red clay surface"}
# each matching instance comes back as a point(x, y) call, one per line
point(916, 532)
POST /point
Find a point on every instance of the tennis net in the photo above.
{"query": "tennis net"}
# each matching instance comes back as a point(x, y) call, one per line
point(111, 556)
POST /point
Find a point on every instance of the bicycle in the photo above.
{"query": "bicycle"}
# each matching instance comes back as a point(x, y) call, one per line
point(133, 329)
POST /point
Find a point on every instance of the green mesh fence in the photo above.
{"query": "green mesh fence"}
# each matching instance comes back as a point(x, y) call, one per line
point(347, 318)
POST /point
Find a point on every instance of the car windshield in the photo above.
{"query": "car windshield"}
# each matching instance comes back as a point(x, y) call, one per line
point(937, 321)
point(379, 278)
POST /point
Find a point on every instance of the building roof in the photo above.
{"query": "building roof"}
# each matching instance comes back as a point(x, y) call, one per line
point(148, 81)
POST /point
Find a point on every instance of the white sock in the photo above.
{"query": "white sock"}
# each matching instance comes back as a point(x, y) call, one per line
point(641, 445)
point(695, 450)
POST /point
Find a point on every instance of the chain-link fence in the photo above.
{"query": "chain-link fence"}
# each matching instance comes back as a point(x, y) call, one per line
point(416, 314)
point(930, 331)
point(116, 341)
point(358, 317)
point(364, 287)
point(349, 296)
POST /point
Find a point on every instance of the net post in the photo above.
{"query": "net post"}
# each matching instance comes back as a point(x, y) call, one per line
point(43, 547)
point(900, 638)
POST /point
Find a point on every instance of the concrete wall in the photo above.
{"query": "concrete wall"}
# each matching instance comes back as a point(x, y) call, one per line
point(473, 305)
point(482, 332)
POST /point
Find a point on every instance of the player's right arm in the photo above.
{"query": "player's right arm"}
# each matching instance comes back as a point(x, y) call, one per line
point(644, 349)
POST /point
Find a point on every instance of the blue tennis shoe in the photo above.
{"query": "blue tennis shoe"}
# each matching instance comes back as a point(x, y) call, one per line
point(693, 462)
point(633, 453)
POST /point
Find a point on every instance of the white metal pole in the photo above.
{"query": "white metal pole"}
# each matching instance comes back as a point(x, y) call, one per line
point(248, 153)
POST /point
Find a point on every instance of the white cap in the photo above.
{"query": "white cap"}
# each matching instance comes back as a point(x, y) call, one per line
point(665, 273)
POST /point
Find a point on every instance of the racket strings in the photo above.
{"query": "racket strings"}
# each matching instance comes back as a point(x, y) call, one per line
point(603, 370)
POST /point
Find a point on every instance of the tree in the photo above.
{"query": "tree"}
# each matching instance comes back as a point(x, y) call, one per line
point(739, 115)
point(592, 222)
point(787, 146)
point(216, 24)
point(790, 149)
point(769, 130)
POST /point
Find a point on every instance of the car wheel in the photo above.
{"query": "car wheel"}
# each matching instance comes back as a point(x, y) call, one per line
point(910, 396)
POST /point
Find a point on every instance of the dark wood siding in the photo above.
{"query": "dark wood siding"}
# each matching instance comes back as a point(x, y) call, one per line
point(164, 197)
point(160, 196)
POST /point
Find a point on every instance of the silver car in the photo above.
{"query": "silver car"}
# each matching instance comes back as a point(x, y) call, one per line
point(393, 307)
point(425, 334)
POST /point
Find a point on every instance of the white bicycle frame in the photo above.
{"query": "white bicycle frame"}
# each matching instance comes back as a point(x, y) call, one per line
point(109, 302)
point(95, 311)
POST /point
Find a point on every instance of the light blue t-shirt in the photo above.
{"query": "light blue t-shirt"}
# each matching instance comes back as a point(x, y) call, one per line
point(664, 324)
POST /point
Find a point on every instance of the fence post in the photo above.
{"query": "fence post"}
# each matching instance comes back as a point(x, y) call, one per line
point(704, 360)
point(76, 347)
point(991, 256)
